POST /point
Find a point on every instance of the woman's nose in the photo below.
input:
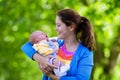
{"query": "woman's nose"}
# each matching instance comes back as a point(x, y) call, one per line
point(56, 28)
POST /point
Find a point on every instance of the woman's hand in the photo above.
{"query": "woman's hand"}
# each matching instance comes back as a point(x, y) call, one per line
point(48, 73)
point(43, 61)
point(45, 66)
point(46, 70)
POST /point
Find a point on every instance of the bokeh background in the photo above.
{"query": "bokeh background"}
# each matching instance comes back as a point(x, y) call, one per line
point(18, 18)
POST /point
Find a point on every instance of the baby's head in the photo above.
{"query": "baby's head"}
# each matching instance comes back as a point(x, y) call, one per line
point(37, 36)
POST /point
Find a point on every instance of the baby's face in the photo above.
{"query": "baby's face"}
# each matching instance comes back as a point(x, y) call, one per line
point(41, 37)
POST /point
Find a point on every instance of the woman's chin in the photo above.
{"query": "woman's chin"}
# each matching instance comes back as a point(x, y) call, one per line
point(60, 37)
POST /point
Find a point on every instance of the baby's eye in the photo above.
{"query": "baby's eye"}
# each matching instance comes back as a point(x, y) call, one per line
point(58, 25)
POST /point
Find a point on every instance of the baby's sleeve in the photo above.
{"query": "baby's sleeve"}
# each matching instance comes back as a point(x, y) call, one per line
point(28, 50)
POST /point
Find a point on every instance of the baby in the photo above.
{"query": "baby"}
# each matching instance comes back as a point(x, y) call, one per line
point(46, 47)
point(41, 43)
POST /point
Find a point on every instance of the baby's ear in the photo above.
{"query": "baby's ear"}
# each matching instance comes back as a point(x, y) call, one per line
point(37, 41)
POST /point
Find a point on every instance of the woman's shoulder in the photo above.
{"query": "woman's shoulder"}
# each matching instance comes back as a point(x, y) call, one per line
point(83, 50)
point(83, 47)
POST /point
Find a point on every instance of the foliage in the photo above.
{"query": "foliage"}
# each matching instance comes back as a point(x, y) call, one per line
point(18, 18)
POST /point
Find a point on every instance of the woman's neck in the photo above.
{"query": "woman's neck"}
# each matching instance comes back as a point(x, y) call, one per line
point(71, 44)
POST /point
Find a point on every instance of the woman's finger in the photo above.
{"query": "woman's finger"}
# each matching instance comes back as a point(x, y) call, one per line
point(48, 69)
point(53, 66)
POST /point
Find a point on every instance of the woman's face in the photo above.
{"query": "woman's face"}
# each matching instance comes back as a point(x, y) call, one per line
point(61, 28)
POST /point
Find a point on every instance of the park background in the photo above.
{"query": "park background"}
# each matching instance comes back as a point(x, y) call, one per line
point(18, 18)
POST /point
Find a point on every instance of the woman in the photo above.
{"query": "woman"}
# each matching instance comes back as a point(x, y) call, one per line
point(78, 43)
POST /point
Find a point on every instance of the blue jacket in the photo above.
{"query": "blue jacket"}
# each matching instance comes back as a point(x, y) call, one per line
point(80, 66)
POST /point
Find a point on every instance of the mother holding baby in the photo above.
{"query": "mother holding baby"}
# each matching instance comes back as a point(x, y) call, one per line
point(76, 40)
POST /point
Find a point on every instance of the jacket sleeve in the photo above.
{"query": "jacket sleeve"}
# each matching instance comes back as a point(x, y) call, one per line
point(28, 50)
point(83, 69)
point(44, 77)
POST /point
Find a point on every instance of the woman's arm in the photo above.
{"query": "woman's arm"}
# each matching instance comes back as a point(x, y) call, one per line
point(49, 75)
point(53, 77)
point(28, 50)
point(31, 53)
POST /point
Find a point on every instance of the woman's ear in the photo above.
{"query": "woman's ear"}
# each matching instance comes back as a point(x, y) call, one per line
point(72, 27)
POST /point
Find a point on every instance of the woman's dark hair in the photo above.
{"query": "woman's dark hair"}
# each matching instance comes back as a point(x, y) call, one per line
point(84, 31)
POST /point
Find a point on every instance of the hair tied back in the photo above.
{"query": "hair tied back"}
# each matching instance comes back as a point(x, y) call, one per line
point(82, 19)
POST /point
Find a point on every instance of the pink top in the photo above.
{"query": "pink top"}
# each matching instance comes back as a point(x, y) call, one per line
point(64, 55)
